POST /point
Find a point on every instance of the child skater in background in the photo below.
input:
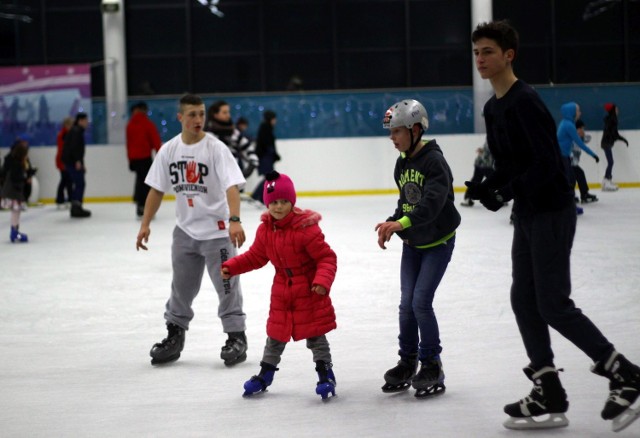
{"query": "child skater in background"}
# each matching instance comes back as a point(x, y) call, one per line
point(305, 265)
point(426, 220)
point(15, 171)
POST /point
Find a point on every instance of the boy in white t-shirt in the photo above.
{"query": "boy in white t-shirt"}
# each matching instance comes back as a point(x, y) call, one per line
point(206, 179)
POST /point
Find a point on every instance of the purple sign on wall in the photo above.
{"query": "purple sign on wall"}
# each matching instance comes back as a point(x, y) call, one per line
point(35, 99)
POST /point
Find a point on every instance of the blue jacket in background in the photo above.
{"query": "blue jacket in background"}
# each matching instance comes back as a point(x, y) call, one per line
point(567, 132)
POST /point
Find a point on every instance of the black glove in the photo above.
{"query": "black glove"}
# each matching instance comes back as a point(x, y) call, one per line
point(476, 190)
point(492, 201)
point(595, 157)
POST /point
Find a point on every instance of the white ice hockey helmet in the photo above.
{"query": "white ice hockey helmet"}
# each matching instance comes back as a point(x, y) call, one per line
point(406, 113)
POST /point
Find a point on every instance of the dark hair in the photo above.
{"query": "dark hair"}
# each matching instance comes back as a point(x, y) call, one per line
point(190, 99)
point(215, 106)
point(269, 115)
point(19, 151)
point(242, 120)
point(142, 106)
point(501, 32)
point(579, 124)
point(81, 116)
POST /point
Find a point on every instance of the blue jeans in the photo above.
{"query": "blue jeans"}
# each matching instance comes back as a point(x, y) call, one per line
point(77, 179)
point(420, 273)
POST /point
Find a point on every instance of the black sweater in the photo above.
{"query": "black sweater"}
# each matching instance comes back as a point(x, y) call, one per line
point(74, 146)
point(529, 169)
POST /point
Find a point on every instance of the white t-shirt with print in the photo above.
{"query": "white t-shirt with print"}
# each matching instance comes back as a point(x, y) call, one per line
point(200, 175)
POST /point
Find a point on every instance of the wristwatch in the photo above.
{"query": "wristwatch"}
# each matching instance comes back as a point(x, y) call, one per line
point(234, 219)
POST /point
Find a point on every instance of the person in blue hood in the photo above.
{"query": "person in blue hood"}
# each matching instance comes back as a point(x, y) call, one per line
point(568, 135)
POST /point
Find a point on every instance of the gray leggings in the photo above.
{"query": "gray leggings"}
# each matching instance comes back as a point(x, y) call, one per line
point(319, 346)
point(189, 258)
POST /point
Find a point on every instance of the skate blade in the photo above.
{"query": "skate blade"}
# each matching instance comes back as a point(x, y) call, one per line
point(165, 361)
point(389, 388)
point(547, 421)
point(430, 391)
point(254, 394)
point(625, 419)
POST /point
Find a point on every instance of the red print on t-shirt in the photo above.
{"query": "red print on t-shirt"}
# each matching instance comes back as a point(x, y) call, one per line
point(192, 175)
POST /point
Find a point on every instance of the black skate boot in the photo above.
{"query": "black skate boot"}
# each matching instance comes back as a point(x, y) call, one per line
point(624, 387)
point(399, 377)
point(77, 211)
point(326, 380)
point(169, 349)
point(259, 383)
point(588, 198)
point(547, 397)
point(430, 379)
point(235, 349)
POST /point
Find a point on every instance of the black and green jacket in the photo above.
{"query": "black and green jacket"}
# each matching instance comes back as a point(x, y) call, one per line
point(426, 207)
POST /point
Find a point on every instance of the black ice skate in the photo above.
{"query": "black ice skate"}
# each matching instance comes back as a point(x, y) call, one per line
point(544, 407)
point(430, 379)
point(169, 349)
point(235, 349)
point(588, 198)
point(258, 384)
point(326, 380)
point(399, 377)
point(624, 387)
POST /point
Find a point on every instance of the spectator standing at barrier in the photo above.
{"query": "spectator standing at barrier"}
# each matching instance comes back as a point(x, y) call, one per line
point(142, 140)
point(65, 186)
point(266, 150)
point(73, 152)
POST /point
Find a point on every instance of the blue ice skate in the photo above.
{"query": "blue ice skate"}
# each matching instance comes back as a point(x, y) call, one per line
point(259, 383)
point(326, 380)
point(17, 236)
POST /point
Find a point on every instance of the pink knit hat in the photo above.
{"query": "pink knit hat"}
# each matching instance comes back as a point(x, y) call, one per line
point(278, 186)
point(608, 107)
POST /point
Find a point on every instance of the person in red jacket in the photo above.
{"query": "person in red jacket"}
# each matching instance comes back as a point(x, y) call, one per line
point(142, 139)
point(65, 183)
point(291, 239)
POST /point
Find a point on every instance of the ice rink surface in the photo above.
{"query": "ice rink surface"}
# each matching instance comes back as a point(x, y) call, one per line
point(80, 310)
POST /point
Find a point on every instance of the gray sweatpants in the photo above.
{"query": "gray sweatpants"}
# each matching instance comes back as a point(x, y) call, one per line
point(189, 258)
point(319, 346)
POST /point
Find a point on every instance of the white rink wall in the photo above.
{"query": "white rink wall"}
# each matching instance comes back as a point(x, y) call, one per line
point(328, 165)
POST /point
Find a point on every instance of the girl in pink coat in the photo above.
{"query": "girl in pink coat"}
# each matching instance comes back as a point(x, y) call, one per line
point(300, 308)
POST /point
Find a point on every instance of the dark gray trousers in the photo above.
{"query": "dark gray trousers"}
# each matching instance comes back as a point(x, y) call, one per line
point(542, 284)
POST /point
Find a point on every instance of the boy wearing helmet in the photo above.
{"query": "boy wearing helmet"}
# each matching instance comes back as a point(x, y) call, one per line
point(426, 220)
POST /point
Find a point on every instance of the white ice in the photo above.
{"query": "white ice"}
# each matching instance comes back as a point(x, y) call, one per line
point(80, 310)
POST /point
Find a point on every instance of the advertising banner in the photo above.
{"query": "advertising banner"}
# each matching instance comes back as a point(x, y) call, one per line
point(35, 99)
